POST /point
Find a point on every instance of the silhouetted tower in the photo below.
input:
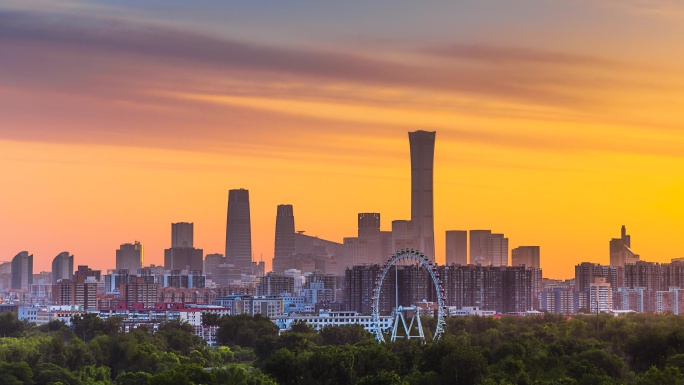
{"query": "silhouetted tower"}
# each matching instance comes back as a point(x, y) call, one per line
point(239, 231)
point(422, 145)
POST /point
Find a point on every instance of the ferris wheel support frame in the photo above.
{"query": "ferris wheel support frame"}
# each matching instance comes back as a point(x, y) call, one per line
point(413, 256)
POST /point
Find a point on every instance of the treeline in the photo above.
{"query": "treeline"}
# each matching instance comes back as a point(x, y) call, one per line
point(632, 349)
point(95, 352)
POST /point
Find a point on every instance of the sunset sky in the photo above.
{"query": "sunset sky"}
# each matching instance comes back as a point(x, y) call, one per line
point(557, 121)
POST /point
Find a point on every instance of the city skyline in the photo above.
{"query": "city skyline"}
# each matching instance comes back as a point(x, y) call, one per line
point(557, 121)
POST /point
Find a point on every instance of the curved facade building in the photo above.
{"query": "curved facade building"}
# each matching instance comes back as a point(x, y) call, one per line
point(62, 267)
point(22, 271)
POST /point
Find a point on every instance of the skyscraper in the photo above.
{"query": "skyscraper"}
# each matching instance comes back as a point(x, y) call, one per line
point(402, 235)
point(182, 234)
point(183, 258)
point(369, 225)
point(478, 247)
point(422, 145)
point(488, 249)
point(62, 267)
point(130, 256)
point(212, 261)
point(620, 250)
point(238, 231)
point(525, 255)
point(284, 239)
point(22, 270)
point(456, 247)
point(183, 255)
point(497, 250)
point(371, 237)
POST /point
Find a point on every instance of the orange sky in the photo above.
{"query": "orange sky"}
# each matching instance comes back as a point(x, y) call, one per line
point(556, 123)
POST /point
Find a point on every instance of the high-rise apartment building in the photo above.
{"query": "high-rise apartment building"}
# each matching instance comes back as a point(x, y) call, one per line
point(182, 234)
point(67, 292)
point(620, 250)
point(600, 295)
point(525, 255)
point(500, 288)
point(22, 271)
point(276, 284)
point(457, 247)
point(239, 231)
point(585, 273)
point(422, 145)
point(62, 267)
point(115, 278)
point(139, 289)
point(284, 239)
point(130, 256)
point(5, 275)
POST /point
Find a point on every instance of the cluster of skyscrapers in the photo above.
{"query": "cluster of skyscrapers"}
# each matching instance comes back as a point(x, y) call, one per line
point(479, 254)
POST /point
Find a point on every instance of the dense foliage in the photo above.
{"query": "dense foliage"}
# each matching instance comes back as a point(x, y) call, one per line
point(631, 349)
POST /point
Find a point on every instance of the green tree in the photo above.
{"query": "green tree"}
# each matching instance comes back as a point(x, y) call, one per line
point(15, 374)
point(654, 376)
point(284, 366)
point(87, 325)
point(197, 375)
point(95, 375)
point(179, 336)
point(211, 319)
point(463, 365)
point(647, 348)
point(238, 374)
point(344, 334)
point(329, 365)
point(419, 378)
point(51, 374)
point(170, 377)
point(371, 358)
point(10, 326)
point(382, 378)
point(244, 330)
point(128, 378)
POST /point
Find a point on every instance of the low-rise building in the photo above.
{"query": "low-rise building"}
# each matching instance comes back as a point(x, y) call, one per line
point(323, 319)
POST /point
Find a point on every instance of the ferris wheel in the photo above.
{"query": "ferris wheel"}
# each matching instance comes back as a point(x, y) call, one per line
point(412, 256)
